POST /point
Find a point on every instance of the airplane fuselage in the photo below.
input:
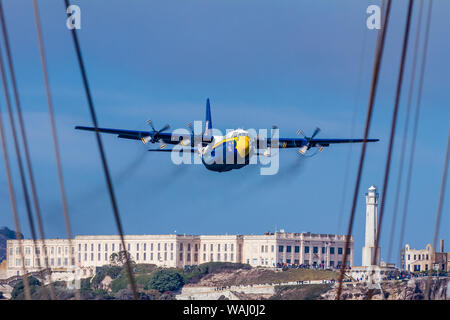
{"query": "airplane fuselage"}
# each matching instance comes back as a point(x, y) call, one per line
point(232, 151)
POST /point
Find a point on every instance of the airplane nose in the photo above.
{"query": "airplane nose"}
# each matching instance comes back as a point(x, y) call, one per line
point(243, 146)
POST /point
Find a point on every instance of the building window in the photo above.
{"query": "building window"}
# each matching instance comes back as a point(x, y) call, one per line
point(112, 247)
point(92, 247)
point(204, 257)
point(85, 247)
point(323, 250)
point(165, 246)
point(232, 247)
point(181, 256)
point(218, 247)
point(151, 256)
point(225, 247)
point(52, 261)
point(296, 249)
point(211, 258)
point(151, 246)
point(262, 248)
point(79, 247)
point(171, 247)
point(348, 250)
point(145, 247)
point(99, 257)
point(288, 249)
point(66, 261)
point(181, 246)
point(99, 247)
point(145, 256)
point(129, 247)
point(171, 256)
point(339, 250)
point(195, 257)
point(137, 256)
point(306, 249)
point(218, 257)
point(165, 256)
point(225, 257)
point(85, 257)
point(92, 257)
point(59, 261)
point(137, 246)
point(409, 257)
point(331, 250)
point(280, 248)
point(106, 256)
point(315, 249)
point(232, 257)
point(212, 247)
point(106, 247)
point(204, 248)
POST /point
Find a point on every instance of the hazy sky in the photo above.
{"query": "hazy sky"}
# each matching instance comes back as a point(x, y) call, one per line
point(293, 63)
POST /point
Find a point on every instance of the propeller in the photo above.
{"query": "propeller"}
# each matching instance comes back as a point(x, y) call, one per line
point(308, 145)
point(156, 132)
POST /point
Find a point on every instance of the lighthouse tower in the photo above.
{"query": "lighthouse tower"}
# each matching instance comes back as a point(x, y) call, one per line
point(368, 250)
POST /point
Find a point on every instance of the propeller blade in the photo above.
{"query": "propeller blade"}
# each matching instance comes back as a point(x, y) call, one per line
point(164, 128)
point(315, 133)
point(189, 125)
point(150, 123)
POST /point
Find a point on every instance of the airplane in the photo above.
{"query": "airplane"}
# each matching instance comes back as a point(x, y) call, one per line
point(222, 153)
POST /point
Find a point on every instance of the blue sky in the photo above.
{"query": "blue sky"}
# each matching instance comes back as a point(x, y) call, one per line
point(295, 64)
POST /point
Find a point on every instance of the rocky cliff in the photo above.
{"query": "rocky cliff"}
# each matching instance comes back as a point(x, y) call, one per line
point(413, 289)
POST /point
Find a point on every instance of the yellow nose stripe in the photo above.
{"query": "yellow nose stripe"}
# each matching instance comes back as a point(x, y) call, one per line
point(243, 146)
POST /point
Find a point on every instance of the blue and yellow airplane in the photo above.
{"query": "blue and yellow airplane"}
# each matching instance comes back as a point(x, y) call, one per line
point(223, 153)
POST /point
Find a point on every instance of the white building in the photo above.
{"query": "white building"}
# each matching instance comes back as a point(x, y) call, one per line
point(379, 271)
point(174, 250)
point(368, 251)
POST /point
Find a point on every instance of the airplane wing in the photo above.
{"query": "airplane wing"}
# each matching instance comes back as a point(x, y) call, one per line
point(301, 142)
point(144, 136)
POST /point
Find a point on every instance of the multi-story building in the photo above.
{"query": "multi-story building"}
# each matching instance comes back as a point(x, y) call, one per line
point(415, 260)
point(268, 250)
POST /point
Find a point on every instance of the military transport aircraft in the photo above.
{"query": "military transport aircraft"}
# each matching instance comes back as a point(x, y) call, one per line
point(236, 147)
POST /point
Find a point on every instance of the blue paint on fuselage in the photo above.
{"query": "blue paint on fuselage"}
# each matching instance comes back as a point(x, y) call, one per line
point(224, 157)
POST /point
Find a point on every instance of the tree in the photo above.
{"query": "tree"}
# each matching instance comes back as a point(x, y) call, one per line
point(119, 258)
point(165, 280)
point(18, 291)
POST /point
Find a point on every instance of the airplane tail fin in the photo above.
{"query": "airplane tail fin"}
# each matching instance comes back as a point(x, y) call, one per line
point(208, 121)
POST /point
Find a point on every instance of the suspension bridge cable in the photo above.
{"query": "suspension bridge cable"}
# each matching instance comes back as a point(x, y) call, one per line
point(375, 74)
point(55, 138)
point(415, 128)
point(12, 199)
point(405, 134)
point(392, 135)
point(352, 130)
point(102, 154)
point(439, 211)
point(20, 163)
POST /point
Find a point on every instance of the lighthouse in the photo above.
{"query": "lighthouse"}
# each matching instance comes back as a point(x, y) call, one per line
point(368, 250)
